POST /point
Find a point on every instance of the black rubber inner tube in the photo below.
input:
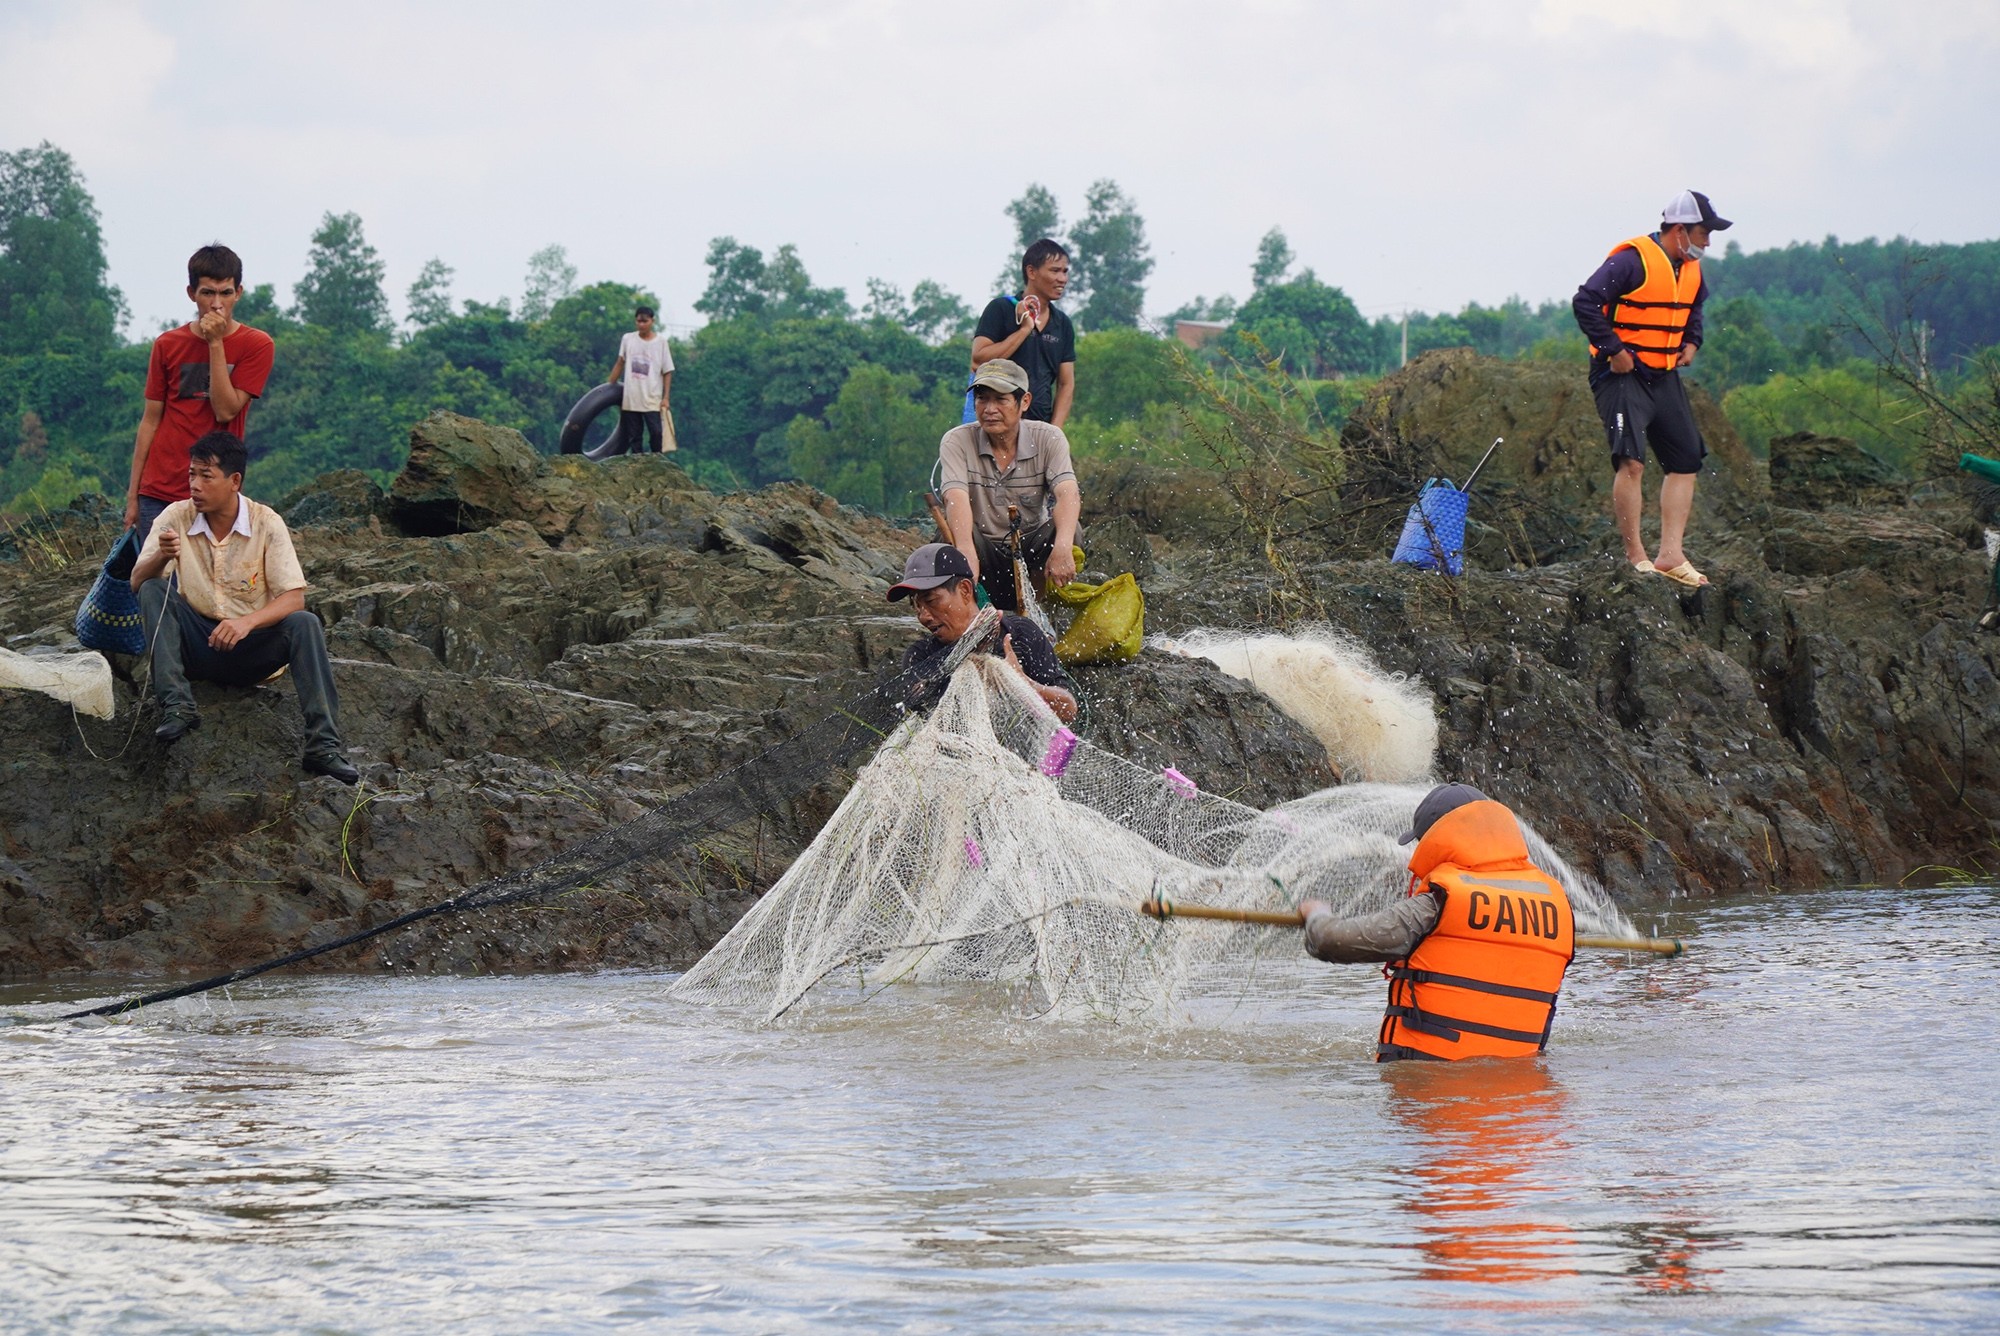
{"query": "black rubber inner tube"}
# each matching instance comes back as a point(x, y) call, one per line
point(584, 412)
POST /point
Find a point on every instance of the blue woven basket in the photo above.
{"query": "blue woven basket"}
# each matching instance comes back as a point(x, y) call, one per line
point(1434, 531)
point(108, 620)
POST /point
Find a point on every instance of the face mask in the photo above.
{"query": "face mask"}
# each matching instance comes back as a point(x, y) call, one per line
point(1695, 252)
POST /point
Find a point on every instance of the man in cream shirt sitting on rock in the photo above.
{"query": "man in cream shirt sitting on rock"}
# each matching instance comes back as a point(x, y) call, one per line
point(238, 610)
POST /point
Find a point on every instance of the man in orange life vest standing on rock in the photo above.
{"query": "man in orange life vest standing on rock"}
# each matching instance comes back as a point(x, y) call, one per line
point(1641, 312)
point(1476, 952)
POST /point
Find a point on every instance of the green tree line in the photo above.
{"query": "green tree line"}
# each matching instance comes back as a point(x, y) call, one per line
point(789, 379)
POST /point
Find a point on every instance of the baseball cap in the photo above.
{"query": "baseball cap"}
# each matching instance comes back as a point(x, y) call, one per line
point(1691, 206)
point(1003, 375)
point(1440, 800)
point(929, 566)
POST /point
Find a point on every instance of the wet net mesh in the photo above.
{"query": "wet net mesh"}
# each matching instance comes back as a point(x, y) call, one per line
point(985, 844)
point(783, 771)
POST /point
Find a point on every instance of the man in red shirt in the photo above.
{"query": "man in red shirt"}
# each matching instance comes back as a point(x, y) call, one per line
point(201, 378)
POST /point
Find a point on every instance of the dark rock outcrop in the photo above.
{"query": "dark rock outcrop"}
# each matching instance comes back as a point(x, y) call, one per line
point(1816, 472)
point(532, 650)
point(557, 647)
point(1826, 711)
point(1546, 492)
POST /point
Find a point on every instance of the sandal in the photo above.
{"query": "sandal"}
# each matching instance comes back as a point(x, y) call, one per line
point(1644, 567)
point(1684, 574)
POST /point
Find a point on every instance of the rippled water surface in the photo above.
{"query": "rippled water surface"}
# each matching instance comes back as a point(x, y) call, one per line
point(1790, 1129)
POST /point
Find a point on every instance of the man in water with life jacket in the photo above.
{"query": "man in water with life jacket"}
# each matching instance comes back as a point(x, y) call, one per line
point(1641, 312)
point(1476, 952)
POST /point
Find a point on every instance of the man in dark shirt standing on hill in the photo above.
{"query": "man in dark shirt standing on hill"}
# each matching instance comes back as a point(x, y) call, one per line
point(1030, 331)
point(1641, 311)
point(201, 378)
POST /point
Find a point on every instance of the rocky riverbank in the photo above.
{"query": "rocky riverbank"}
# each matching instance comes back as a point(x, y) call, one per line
point(531, 650)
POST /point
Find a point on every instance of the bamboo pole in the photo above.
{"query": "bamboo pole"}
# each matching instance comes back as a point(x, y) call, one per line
point(937, 515)
point(1289, 918)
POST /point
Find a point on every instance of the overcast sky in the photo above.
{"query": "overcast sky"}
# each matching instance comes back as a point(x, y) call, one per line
point(1416, 154)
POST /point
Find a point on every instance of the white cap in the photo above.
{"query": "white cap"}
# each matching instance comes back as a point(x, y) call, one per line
point(1691, 206)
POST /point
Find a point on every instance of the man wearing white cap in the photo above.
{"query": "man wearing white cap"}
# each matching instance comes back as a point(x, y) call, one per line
point(1641, 312)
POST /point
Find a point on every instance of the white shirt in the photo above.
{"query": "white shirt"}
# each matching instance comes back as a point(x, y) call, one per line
point(647, 364)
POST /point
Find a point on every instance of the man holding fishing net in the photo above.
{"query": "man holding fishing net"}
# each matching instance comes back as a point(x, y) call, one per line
point(1476, 952)
point(937, 580)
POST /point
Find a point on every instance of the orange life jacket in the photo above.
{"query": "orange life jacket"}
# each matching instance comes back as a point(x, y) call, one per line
point(1483, 983)
point(1651, 317)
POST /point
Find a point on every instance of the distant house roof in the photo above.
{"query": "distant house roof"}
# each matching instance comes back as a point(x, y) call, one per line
point(1194, 333)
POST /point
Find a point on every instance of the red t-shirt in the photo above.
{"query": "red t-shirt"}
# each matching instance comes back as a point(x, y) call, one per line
point(177, 376)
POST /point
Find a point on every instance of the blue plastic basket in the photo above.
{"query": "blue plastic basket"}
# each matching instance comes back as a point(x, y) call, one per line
point(1434, 531)
point(108, 620)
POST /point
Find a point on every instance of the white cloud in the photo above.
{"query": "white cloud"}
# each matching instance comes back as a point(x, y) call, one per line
point(1414, 154)
point(84, 76)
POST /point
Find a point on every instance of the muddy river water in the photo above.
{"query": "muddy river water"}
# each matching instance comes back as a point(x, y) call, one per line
point(1792, 1128)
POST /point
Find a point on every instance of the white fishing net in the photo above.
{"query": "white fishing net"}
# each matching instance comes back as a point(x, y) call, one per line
point(82, 680)
point(971, 849)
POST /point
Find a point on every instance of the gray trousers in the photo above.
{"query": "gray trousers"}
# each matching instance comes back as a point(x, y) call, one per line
point(181, 652)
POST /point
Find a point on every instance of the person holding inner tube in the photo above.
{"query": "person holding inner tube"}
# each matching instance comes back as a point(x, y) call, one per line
point(1641, 312)
point(1004, 458)
point(1475, 954)
point(937, 580)
point(648, 369)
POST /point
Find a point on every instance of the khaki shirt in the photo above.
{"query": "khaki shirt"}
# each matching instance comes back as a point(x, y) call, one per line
point(248, 567)
point(1041, 460)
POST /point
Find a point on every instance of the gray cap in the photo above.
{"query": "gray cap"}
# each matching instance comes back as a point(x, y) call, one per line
point(1002, 375)
point(929, 566)
point(1440, 800)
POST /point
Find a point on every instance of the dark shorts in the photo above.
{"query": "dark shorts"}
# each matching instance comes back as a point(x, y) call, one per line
point(631, 424)
point(996, 562)
point(1638, 414)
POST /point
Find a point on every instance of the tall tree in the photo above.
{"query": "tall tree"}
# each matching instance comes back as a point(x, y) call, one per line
point(735, 280)
point(52, 268)
point(1111, 258)
point(1312, 325)
point(932, 313)
point(789, 293)
point(551, 277)
point(742, 282)
point(1273, 262)
point(342, 287)
point(1035, 216)
point(937, 314)
point(430, 295)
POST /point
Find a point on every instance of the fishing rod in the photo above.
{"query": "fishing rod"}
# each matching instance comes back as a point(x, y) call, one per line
point(1473, 476)
point(1291, 918)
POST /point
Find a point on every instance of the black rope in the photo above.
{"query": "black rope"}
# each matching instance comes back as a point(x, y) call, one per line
point(759, 784)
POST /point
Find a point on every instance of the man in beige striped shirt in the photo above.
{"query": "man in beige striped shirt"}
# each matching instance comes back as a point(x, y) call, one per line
point(1000, 459)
